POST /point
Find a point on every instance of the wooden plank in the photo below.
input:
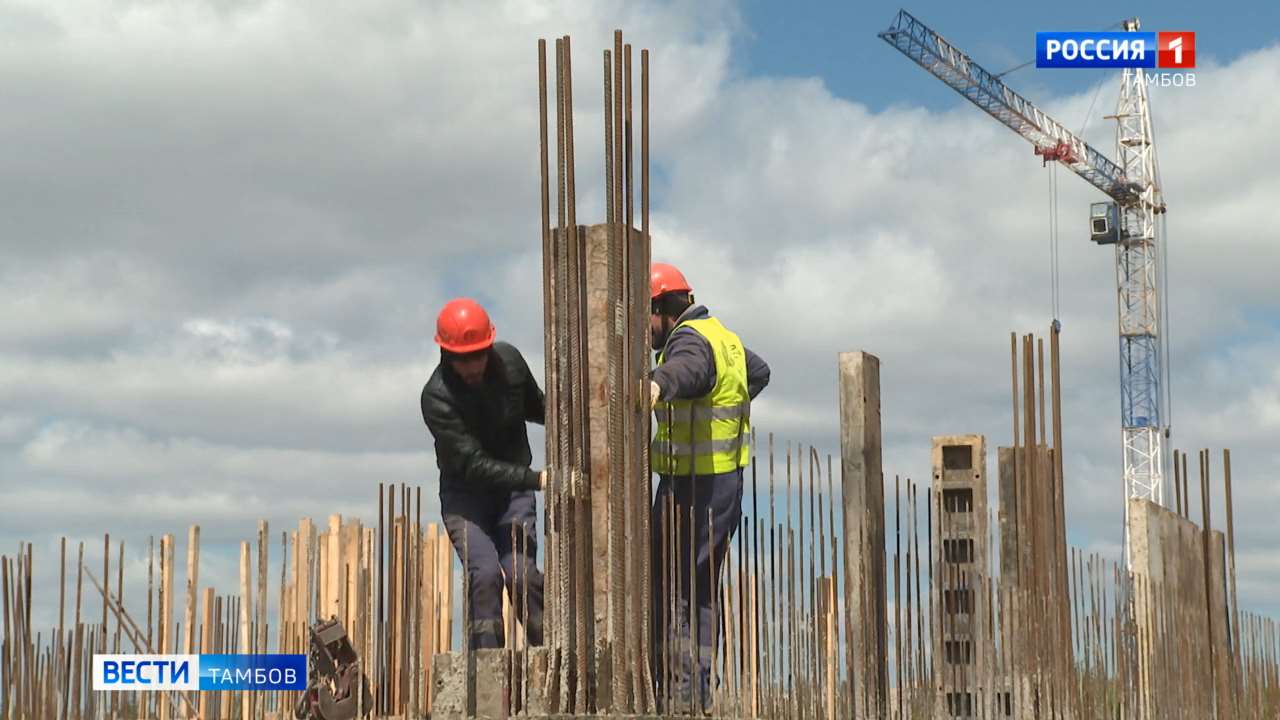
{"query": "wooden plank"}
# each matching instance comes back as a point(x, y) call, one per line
point(151, 558)
point(246, 618)
point(167, 641)
point(193, 577)
point(260, 606)
point(119, 593)
point(305, 556)
point(416, 639)
point(219, 634)
point(106, 580)
point(206, 645)
point(79, 639)
point(289, 605)
point(368, 541)
point(444, 581)
point(430, 611)
point(282, 599)
point(352, 546)
point(333, 592)
point(319, 573)
point(260, 641)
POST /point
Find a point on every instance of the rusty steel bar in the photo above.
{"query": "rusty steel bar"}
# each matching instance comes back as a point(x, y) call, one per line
point(523, 691)
point(811, 628)
point(1177, 483)
point(615, 344)
point(798, 603)
point(610, 212)
point(627, 184)
point(558, 670)
point(787, 540)
point(695, 646)
point(713, 586)
point(920, 666)
point(619, 162)
point(580, 550)
point(897, 587)
point(644, 488)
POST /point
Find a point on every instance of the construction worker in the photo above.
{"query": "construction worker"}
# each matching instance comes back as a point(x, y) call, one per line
point(701, 393)
point(476, 405)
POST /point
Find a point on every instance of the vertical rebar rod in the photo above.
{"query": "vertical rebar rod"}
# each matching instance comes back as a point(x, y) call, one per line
point(1177, 484)
point(713, 587)
point(1186, 488)
point(619, 245)
point(630, 195)
point(897, 587)
point(645, 487)
point(380, 660)
point(934, 582)
point(524, 614)
point(558, 509)
point(609, 179)
point(663, 629)
point(811, 628)
point(1231, 572)
point(743, 630)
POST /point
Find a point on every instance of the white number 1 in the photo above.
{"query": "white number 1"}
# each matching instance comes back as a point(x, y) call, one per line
point(1176, 46)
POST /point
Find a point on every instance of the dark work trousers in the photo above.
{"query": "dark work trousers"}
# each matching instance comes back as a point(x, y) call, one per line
point(714, 504)
point(491, 559)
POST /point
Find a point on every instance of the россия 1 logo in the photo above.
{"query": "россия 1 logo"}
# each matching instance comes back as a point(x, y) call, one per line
point(1166, 50)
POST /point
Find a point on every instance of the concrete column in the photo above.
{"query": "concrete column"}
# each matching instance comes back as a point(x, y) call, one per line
point(862, 484)
point(599, 311)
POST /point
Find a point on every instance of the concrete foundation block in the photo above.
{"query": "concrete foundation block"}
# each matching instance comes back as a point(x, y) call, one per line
point(449, 691)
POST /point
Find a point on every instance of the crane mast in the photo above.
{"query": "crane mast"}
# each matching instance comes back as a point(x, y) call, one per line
point(1138, 298)
point(1128, 222)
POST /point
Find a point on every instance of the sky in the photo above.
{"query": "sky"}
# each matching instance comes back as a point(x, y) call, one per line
point(229, 227)
point(836, 41)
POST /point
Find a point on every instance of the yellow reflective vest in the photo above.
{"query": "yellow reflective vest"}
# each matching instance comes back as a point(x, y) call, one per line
point(710, 434)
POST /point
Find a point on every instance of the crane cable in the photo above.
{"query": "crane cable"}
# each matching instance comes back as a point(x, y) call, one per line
point(1000, 75)
point(1165, 326)
point(1055, 285)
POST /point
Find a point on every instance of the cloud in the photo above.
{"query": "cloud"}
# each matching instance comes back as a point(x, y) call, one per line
point(229, 227)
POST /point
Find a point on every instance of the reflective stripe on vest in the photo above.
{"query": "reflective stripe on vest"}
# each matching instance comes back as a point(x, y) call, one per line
point(727, 445)
point(703, 413)
point(710, 434)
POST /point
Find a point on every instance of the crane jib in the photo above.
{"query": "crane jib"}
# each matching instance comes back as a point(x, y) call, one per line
point(1051, 139)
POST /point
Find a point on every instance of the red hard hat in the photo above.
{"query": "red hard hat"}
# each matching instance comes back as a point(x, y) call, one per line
point(664, 278)
point(464, 327)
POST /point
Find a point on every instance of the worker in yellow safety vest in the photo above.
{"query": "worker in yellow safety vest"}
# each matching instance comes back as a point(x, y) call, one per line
point(700, 392)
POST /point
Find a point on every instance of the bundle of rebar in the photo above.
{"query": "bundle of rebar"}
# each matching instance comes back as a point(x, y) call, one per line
point(596, 324)
point(1033, 589)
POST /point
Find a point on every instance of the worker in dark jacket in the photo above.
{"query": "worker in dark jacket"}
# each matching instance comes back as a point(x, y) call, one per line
point(476, 405)
point(701, 392)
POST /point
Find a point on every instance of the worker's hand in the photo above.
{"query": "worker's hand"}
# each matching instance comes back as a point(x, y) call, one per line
point(654, 392)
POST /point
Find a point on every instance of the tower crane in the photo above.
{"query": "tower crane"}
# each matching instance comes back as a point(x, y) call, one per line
point(1126, 221)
